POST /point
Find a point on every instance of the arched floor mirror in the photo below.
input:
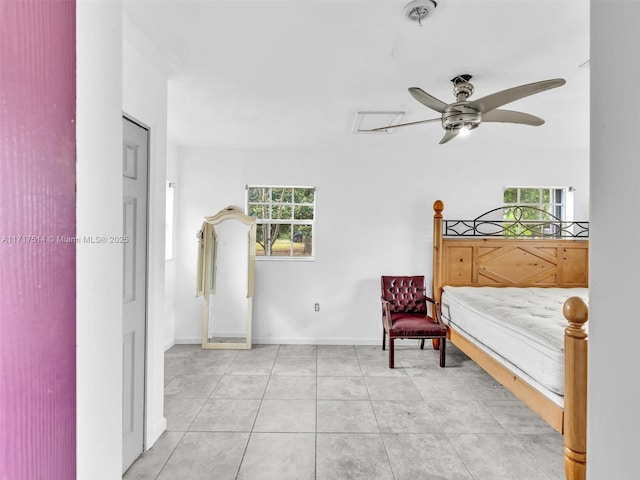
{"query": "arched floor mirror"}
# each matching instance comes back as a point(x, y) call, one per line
point(226, 272)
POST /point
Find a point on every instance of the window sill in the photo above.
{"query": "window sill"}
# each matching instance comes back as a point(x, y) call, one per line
point(284, 259)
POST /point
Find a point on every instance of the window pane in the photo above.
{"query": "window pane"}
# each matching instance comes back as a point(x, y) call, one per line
point(258, 194)
point(303, 248)
point(558, 195)
point(510, 195)
point(283, 231)
point(260, 239)
point(304, 195)
point(303, 213)
point(281, 212)
point(546, 195)
point(281, 195)
point(258, 211)
point(298, 234)
point(558, 211)
point(282, 240)
point(529, 195)
point(531, 213)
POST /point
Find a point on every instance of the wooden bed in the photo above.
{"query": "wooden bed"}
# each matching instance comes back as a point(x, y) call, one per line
point(473, 259)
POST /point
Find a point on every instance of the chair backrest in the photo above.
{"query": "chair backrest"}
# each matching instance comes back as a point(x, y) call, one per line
point(404, 293)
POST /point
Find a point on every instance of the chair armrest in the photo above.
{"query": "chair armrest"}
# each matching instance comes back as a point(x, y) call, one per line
point(386, 315)
point(429, 299)
point(437, 308)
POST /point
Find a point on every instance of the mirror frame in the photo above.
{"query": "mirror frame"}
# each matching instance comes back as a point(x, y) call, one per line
point(206, 271)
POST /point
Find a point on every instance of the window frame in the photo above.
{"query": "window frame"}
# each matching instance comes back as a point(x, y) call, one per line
point(292, 222)
point(170, 223)
point(561, 210)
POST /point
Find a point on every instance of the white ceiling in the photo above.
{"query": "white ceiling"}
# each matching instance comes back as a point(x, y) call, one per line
point(272, 73)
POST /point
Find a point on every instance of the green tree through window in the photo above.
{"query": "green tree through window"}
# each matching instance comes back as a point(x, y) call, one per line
point(547, 205)
point(285, 218)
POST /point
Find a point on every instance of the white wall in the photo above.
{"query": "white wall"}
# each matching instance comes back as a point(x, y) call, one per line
point(99, 266)
point(614, 383)
point(101, 101)
point(144, 81)
point(374, 217)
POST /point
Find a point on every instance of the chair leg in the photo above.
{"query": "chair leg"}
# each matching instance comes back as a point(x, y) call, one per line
point(436, 343)
point(443, 345)
point(384, 337)
point(391, 352)
point(422, 344)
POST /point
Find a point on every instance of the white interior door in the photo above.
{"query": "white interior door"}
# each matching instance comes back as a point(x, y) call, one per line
point(134, 295)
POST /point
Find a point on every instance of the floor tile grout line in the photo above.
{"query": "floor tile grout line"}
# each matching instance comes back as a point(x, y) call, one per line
point(533, 458)
point(167, 459)
point(246, 447)
point(384, 445)
point(454, 449)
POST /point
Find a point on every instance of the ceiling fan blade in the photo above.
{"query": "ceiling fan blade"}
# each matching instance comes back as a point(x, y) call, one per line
point(379, 129)
point(509, 116)
point(449, 134)
point(495, 100)
point(430, 101)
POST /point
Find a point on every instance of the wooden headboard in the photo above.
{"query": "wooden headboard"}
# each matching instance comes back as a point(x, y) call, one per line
point(502, 262)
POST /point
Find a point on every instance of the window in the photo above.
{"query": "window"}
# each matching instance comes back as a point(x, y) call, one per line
point(548, 202)
point(168, 225)
point(285, 220)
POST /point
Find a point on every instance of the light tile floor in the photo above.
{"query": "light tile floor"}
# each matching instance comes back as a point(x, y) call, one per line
point(325, 412)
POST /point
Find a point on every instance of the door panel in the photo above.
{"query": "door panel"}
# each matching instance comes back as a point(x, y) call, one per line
point(129, 221)
point(135, 159)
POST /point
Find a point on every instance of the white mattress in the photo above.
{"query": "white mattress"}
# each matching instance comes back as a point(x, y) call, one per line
point(523, 326)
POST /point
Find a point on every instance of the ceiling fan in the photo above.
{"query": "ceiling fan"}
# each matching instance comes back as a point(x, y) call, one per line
point(464, 115)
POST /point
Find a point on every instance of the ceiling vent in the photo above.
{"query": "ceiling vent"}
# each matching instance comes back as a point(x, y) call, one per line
point(366, 121)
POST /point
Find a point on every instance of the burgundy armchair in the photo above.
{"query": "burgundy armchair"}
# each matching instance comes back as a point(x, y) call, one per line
point(405, 314)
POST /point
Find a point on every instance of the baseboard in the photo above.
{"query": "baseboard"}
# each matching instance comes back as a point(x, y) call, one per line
point(291, 341)
point(315, 341)
point(188, 341)
point(154, 435)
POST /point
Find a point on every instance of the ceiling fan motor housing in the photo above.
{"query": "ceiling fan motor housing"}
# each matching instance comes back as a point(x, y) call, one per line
point(457, 116)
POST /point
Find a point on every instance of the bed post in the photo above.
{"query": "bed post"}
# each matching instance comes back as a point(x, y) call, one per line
point(575, 389)
point(438, 207)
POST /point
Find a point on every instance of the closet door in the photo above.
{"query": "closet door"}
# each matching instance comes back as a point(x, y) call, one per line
point(134, 292)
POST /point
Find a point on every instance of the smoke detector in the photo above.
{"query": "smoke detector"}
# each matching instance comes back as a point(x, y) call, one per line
point(418, 10)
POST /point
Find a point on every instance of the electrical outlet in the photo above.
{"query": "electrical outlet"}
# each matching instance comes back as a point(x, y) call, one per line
point(316, 307)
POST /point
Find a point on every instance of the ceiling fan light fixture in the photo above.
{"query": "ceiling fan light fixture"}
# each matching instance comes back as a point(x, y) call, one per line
point(418, 10)
point(464, 130)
